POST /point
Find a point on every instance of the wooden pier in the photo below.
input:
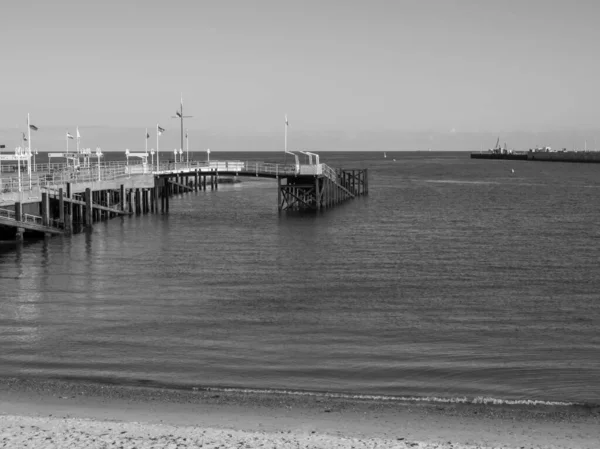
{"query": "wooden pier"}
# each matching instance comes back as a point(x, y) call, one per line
point(64, 202)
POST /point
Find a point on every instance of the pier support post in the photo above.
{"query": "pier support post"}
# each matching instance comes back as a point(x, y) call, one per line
point(61, 205)
point(317, 194)
point(89, 214)
point(167, 185)
point(45, 209)
point(19, 234)
point(162, 194)
point(122, 197)
point(129, 194)
point(279, 193)
point(109, 215)
point(69, 217)
point(18, 211)
point(137, 202)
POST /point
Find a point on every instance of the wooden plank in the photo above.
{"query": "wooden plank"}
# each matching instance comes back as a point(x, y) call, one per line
point(96, 206)
point(28, 226)
point(183, 186)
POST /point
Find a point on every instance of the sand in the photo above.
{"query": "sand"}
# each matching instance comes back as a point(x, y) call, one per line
point(52, 414)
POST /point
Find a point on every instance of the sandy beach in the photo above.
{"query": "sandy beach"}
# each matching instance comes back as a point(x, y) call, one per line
point(52, 414)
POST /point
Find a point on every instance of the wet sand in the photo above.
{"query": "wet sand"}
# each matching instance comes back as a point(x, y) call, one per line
point(36, 414)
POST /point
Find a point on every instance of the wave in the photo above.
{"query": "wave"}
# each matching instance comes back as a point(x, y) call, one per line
point(432, 399)
point(158, 386)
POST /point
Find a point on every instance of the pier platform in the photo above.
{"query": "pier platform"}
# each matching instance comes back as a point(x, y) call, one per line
point(63, 201)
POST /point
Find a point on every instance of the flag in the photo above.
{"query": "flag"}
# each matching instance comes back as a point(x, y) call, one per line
point(178, 114)
point(69, 136)
point(186, 133)
point(78, 135)
point(24, 137)
point(286, 121)
point(147, 135)
point(35, 128)
point(159, 130)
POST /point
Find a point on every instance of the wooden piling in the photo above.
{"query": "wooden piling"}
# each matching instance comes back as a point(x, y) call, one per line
point(45, 209)
point(279, 193)
point(69, 215)
point(61, 205)
point(88, 207)
point(122, 197)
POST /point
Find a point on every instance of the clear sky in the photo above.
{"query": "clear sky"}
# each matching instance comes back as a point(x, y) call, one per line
point(345, 65)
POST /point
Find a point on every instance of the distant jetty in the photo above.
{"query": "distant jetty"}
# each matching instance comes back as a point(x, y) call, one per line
point(540, 154)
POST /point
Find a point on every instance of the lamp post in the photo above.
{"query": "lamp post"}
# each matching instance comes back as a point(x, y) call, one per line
point(29, 154)
point(34, 155)
point(175, 153)
point(18, 155)
point(187, 149)
point(99, 154)
point(208, 155)
point(152, 157)
point(127, 156)
point(180, 155)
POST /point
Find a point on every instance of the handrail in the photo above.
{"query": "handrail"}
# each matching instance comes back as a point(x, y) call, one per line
point(10, 214)
point(58, 175)
point(29, 218)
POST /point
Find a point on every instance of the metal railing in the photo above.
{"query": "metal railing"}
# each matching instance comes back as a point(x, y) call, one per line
point(10, 214)
point(29, 218)
point(58, 177)
point(330, 173)
point(52, 176)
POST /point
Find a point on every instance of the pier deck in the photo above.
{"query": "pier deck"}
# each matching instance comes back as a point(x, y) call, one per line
point(53, 201)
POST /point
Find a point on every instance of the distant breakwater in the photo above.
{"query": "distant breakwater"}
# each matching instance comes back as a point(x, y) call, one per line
point(545, 156)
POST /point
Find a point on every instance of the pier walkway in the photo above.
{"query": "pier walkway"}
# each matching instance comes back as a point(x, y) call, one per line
point(56, 196)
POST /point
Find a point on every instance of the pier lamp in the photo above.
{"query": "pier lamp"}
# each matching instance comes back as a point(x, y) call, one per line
point(208, 155)
point(127, 156)
point(98, 154)
point(18, 151)
point(152, 158)
point(180, 155)
point(175, 153)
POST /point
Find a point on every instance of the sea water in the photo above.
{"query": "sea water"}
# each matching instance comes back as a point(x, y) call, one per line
point(453, 279)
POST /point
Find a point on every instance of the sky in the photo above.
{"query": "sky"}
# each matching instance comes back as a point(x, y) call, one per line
point(341, 70)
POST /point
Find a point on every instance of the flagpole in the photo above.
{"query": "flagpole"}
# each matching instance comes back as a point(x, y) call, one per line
point(19, 165)
point(29, 147)
point(285, 140)
point(286, 126)
point(181, 121)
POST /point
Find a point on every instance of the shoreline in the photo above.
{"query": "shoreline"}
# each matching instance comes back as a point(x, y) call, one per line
point(304, 421)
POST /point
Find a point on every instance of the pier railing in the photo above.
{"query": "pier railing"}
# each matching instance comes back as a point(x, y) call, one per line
point(6, 213)
point(31, 219)
point(52, 176)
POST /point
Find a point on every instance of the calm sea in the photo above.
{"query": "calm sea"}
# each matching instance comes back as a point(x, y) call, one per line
point(453, 278)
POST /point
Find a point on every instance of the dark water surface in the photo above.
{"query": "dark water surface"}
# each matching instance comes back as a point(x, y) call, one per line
point(454, 277)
